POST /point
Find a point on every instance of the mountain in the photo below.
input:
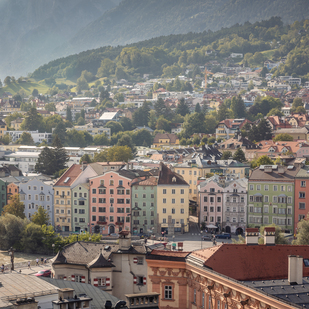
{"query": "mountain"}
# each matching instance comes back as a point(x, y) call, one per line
point(136, 20)
point(34, 32)
point(31, 31)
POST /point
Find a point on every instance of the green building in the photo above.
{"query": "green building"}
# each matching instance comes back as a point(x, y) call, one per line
point(3, 194)
point(271, 196)
point(144, 206)
point(80, 207)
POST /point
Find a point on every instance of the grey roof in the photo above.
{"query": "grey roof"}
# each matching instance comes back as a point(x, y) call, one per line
point(83, 253)
point(98, 296)
point(297, 294)
point(13, 285)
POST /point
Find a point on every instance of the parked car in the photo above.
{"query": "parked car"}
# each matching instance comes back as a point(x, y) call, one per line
point(44, 273)
point(224, 236)
point(207, 237)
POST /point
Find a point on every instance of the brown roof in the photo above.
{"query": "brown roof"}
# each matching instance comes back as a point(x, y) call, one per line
point(152, 181)
point(172, 137)
point(67, 179)
point(251, 262)
point(178, 256)
point(168, 177)
point(260, 175)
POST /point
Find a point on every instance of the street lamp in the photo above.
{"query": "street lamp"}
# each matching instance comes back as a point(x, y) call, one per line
point(53, 245)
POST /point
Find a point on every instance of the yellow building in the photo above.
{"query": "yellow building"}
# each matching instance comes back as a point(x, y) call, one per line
point(165, 139)
point(62, 198)
point(172, 202)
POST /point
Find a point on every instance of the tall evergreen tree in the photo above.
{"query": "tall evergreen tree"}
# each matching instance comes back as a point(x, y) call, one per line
point(239, 155)
point(182, 108)
point(197, 108)
point(69, 114)
point(238, 107)
point(60, 155)
point(222, 112)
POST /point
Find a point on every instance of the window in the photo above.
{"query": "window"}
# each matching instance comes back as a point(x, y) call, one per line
point(144, 195)
point(102, 200)
point(173, 191)
point(275, 199)
point(182, 210)
point(164, 191)
point(94, 218)
point(194, 296)
point(111, 191)
point(219, 199)
point(265, 199)
point(168, 292)
point(111, 218)
point(219, 209)
point(302, 205)
point(211, 209)
point(250, 187)
point(75, 194)
point(173, 210)
point(266, 209)
point(111, 182)
point(302, 195)
point(282, 188)
point(94, 200)
point(94, 191)
point(164, 220)
point(266, 187)
point(182, 191)
point(94, 209)
point(303, 183)
point(275, 188)
point(164, 210)
point(289, 200)
point(152, 195)
point(102, 209)
point(182, 200)
point(164, 201)
point(173, 201)
point(111, 200)
point(127, 191)
point(212, 199)
point(205, 198)
point(258, 187)
point(120, 182)
point(102, 191)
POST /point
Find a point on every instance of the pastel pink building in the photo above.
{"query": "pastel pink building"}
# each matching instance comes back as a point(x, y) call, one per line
point(211, 199)
point(110, 202)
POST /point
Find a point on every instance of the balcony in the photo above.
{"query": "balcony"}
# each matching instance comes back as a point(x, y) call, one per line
point(234, 204)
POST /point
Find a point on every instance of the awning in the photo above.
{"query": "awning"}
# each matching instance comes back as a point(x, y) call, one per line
point(211, 226)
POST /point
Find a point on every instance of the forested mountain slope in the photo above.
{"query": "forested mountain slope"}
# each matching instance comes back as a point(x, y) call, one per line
point(136, 20)
point(31, 30)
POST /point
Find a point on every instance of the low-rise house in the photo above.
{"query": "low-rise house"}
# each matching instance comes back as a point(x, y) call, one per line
point(227, 128)
point(116, 268)
point(165, 139)
point(296, 133)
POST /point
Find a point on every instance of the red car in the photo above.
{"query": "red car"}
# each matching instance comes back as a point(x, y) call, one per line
point(44, 273)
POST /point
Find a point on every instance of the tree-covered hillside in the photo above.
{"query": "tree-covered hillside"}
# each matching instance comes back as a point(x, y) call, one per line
point(170, 55)
point(136, 20)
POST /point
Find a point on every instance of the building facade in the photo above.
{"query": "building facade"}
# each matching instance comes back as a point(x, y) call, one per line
point(36, 193)
point(144, 206)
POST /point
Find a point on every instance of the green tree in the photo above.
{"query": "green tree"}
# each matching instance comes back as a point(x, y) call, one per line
point(194, 123)
point(60, 131)
point(50, 107)
point(40, 217)
point(296, 103)
point(226, 155)
point(14, 207)
point(222, 112)
point(238, 107)
point(279, 236)
point(210, 124)
point(141, 115)
point(126, 123)
point(69, 114)
point(239, 155)
point(33, 121)
point(45, 163)
point(300, 110)
point(11, 117)
point(101, 140)
point(114, 126)
point(25, 139)
point(106, 69)
point(275, 112)
point(17, 97)
point(142, 138)
point(85, 158)
point(32, 238)
point(7, 81)
point(60, 156)
point(35, 92)
point(182, 108)
point(283, 137)
point(262, 160)
point(264, 130)
point(163, 124)
point(81, 84)
point(302, 237)
point(126, 140)
point(51, 122)
point(197, 108)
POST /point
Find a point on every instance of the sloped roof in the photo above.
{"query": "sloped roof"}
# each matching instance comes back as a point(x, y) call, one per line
point(168, 177)
point(251, 262)
point(70, 175)
point(170, 136)
point(99, 262)
point(260, 175)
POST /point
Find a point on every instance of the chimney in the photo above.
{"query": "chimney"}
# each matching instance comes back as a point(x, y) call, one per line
point(252, 236)
point(280, 169)
point(269, 236)
point(124, 240)
point(295, 273)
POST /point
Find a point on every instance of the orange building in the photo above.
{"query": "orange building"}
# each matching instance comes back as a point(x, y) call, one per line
point(242, 276)
point(11, 190)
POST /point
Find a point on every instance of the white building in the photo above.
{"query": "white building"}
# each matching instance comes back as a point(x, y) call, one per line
point(36, 136)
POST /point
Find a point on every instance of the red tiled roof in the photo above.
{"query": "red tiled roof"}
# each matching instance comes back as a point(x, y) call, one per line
point(168, 177)
point(72, 173)
point(252, 262)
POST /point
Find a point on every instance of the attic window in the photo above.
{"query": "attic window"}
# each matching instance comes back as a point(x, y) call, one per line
point(174, 179)
point(67, 179)
point(306, 262)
